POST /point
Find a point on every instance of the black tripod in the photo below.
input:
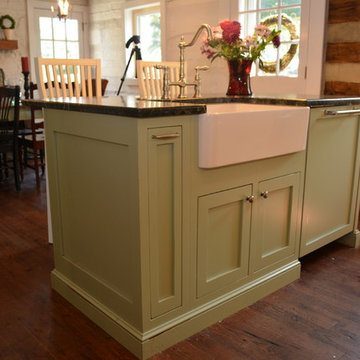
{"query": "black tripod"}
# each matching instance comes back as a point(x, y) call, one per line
point(135, 50)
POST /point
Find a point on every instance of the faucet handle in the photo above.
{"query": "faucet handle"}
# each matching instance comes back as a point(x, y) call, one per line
point(202, 68)
point(197, 86)
point(165, 82)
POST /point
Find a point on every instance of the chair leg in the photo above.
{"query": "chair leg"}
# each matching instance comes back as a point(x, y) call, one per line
point(16, 163)
point(1, 167)
point(21, 162)
point(42, 161)
point(6, 165)
point(36, 167)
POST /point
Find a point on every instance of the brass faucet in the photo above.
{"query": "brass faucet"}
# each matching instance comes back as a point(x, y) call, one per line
point(182, 83)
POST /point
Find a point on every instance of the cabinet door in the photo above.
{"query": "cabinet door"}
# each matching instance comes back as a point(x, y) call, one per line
point(223, 239)
point(165, 218)
point(331, 179)
point(275, 221)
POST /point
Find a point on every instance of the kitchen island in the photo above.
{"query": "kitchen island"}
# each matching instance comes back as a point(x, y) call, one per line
point(154, 248)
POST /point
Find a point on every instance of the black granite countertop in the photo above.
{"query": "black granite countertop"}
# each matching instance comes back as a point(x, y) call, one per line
point(120, 105)
point(134, 107)
point(282, 99)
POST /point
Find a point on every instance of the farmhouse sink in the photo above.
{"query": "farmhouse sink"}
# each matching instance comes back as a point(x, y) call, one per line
point(235, 133)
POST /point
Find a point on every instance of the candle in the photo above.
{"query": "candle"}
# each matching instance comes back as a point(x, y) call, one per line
point(25, 64)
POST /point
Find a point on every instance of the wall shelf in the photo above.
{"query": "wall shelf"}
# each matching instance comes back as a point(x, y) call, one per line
point(8, 44)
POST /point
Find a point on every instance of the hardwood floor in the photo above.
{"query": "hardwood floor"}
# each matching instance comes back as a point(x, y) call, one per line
point(316, 317)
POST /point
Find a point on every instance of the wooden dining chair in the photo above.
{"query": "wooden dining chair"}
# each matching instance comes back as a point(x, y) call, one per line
point(150, 79)
point(55, 75)
point(9, 103)
point(32, 142)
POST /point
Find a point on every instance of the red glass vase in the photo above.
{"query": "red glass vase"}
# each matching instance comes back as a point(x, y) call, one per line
point(239, 77)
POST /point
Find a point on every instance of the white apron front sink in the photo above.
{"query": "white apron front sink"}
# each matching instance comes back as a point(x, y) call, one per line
point(235, 133)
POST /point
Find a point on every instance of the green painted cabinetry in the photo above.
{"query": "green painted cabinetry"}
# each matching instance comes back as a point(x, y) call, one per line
point(244, 230)
point(154, 248)
point(275, 229)
point(165, 217)
point(223, 239)
point(331, 177)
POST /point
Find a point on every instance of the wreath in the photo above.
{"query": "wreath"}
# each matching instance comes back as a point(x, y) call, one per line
point(270, 66)
point(8, 18)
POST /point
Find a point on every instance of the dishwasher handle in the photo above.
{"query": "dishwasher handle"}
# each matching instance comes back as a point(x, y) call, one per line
point(342, 112)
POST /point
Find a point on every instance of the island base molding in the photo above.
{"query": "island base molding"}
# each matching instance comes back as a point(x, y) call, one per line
point(182, 327)
point(352, 239)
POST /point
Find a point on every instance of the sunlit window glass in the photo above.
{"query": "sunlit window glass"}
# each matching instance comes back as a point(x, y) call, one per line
point(283, 14)
point(59, 39)
point(146, 23)
point(149, 31)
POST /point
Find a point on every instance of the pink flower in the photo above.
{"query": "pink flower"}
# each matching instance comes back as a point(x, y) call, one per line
point(263, 31)
point(217, 33)
point(249, 41)
point(207, 51)
point(231, 31)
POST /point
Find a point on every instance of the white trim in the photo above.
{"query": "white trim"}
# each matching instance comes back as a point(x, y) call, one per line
point(316, 47)
point(128, 29)
point(314, 15)
point(33, 5)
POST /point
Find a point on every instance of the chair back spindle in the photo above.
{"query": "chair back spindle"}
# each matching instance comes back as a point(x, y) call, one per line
point(150, 79)
point(69, 77)
point(9, 127)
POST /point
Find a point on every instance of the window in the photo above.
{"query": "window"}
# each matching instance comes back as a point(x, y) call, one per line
point(277, 14)
point(50, 37)
point(296, 65)
point(58, 38)
point(144, 20)
point(146, 23)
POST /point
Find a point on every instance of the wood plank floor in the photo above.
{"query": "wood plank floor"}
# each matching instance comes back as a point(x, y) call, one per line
point(316, 317)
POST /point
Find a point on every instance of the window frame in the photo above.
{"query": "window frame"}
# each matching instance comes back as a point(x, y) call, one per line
point(132, 9)
point(36, 6)
point(66, 41)
point(312, 40)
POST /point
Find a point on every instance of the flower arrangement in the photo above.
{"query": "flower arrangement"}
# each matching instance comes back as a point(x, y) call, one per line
point(228, 44)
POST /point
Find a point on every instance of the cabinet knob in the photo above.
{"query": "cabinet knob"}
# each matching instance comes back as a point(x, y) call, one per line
point(250, 198)
point(265, 194)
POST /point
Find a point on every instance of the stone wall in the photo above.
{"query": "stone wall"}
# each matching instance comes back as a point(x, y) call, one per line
point(342, 68)
point(10, 60)
point(107, 40)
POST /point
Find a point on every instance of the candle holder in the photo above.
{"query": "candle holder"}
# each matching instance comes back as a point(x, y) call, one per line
point(26, 84)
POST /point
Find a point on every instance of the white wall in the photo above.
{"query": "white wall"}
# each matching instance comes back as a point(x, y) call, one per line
point(183, 17)
point(107, 40)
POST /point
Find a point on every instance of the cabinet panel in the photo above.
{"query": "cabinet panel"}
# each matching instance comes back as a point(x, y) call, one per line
point(274, 226)
point(331, 180)
point(165, 218)
point(223, 239)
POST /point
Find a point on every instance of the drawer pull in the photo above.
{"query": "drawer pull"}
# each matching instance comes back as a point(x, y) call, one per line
point(166, 136)
point(250, 199)
point(342, 112)
point(265, 194)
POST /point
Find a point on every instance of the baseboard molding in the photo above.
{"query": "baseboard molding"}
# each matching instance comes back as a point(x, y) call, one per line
point(182, 330)
point(352, 239)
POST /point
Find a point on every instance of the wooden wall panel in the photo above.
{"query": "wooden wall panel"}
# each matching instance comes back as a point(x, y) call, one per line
point(343, 48)
point(342, 88)
point(341, 11)
point(343, 53)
